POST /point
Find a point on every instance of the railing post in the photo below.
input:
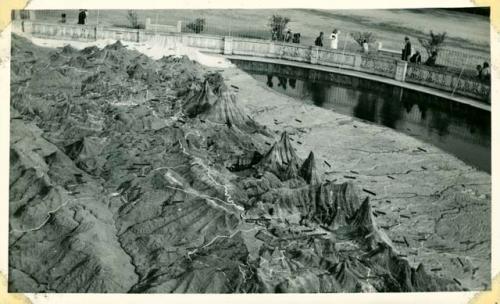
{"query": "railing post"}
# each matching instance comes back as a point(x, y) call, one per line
point(314, 55)
point(281, 50)
point(141, 35)
point(99, 32)
point(27, 26)
point(357, 61)
point(16, 15)
point(272, 49)
point(228, 45)
point(179, 26)
point(401, 67)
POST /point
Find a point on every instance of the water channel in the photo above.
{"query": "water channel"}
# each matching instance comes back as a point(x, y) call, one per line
point(458, 129)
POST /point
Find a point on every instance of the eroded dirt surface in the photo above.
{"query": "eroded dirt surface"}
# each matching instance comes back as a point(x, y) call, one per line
point(134, 175)
point(435, 208)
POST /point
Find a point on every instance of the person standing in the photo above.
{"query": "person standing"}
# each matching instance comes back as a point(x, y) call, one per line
point(288, 35)
point(274, 35)
point(319, 40)
point(82, 16)
point(334, 39)
point(406, 52)
point(365, 46)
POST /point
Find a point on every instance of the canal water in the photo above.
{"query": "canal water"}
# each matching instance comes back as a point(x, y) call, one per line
point(458, 129)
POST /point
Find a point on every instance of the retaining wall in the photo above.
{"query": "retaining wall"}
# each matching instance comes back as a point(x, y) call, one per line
point(367, 63)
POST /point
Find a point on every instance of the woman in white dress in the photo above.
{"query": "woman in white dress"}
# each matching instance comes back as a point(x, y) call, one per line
point(334, 39)
point(365, 46)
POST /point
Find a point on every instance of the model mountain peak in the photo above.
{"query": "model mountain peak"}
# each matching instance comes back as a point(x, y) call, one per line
point(280, 156)
point(363, 218)
point(216, 103)
point(308, 170)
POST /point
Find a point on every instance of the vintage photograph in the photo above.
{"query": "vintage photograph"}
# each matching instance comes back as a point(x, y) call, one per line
point(250, 151)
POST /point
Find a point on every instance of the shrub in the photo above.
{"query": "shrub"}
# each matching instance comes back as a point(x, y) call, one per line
point(277, 25)
point(360, 37)
point(433, 42)
point(197, 25)
point(133, 20)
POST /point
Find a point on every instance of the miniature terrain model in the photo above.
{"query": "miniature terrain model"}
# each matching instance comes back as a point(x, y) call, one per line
point(129, 174)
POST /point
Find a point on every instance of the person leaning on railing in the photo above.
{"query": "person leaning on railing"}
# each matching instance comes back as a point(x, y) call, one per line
point(296, 38)
point(416, 58)
point(485, 72)
point(479, 70)
point(431, 61)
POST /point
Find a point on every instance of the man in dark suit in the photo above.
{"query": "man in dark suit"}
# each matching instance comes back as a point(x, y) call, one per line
point(82, 15)
point(319, 40)
point(406, 52)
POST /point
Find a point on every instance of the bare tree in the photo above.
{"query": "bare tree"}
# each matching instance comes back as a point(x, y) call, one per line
point(433, 43)
point(197, 25)
point(360, 37)
point(277, 25)
point(133, 19)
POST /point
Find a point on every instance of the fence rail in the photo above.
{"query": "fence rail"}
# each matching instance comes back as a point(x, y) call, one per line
point(386, 67)
point(169, 20)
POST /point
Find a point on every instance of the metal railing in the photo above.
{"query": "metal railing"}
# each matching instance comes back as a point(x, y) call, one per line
point(451, 59)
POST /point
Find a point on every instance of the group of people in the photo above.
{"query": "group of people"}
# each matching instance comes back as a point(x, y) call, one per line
point(82, 17)
point(282, 82)
point(287, 37)
point(334, 39)
point(483, 72)
point(407, 54)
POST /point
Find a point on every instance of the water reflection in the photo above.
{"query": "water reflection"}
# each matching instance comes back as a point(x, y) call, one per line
point(366, 107)
point(282, 82)
point(270, 81)
point(459, 129)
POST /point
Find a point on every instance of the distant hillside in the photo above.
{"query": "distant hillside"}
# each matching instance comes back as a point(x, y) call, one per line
point(483, 11)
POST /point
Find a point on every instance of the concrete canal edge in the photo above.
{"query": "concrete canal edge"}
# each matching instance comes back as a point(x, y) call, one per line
point(405, 85)
point(395, 72)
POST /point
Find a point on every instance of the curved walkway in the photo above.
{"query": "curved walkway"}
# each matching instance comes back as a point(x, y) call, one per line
point(406, 85)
